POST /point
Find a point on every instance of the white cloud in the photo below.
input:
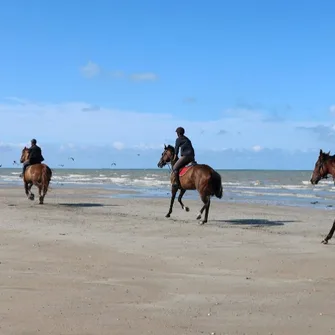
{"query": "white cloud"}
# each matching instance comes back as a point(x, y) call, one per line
point(256, 148)
point(90, 70)
point(118, 74)
point(145, 76)
point(128, 129)
point(118, 145)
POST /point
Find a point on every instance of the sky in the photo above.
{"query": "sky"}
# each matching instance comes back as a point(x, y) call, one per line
point(252, 82)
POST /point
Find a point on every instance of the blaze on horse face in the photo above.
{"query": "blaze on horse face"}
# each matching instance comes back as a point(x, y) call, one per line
point(166, 156)
point(321, 168)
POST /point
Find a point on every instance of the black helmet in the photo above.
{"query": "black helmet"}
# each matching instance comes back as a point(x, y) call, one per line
point(33, 141)
point(180, 131)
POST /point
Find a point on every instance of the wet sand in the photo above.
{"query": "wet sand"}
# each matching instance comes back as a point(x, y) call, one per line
point(81, 264)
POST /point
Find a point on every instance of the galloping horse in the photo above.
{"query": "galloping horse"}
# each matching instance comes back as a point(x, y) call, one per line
point(324, 165)
point(36, 174)
point(198, 177)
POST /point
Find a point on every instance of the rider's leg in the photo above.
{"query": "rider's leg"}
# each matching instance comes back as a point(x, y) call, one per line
point(181, 162)
point(25, 165)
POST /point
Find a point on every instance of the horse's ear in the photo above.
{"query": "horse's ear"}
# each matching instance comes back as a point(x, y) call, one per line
point(328, 153)
point(164, 146)
point(320, 152)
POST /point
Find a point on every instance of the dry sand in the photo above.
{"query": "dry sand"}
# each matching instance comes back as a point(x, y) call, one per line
point(86, 265)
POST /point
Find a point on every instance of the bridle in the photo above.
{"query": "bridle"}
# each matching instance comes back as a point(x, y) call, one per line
point(169, 163)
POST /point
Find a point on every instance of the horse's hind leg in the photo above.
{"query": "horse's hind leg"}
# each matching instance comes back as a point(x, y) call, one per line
point(330, 234)
point(41, 197)
point(28, 187)
point(207, 201)
point(201, 211)
point(181, 194)
point(43, 189)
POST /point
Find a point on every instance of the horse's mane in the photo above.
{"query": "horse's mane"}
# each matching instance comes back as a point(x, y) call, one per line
point(170, 147)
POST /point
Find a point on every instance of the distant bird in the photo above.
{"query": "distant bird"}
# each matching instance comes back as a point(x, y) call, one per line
point(138, 154)
point(0, 165)
point(61, 165)
point(71, 158)
point(113, 164)
point(15, 163)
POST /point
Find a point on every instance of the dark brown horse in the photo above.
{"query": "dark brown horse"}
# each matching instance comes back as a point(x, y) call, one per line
point(38, 175)
point(324, 166)
point(198, 177)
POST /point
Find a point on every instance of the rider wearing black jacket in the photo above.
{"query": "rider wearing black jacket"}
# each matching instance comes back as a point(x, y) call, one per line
point(35, 156)
point(187, 154)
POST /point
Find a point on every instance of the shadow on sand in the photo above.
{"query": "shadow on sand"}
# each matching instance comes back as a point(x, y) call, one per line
point(84, 204)
point(251, 222)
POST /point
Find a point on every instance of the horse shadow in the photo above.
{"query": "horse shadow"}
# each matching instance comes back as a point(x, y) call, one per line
point(257, 223)
point(84, 205)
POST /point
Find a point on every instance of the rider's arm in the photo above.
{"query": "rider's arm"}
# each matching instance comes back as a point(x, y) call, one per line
point(177, 145)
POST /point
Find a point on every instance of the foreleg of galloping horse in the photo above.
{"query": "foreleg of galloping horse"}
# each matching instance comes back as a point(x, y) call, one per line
point(181, 194)
point(330, 234)
point(173, 196)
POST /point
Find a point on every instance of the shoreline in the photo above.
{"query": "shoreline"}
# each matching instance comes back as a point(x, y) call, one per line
point(127, 192)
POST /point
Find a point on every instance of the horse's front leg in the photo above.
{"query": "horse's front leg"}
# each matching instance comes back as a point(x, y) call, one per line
point(330, 234)
point(174, 191)
point(181, 194)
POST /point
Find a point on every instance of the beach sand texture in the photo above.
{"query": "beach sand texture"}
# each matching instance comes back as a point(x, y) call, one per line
point(85, 265)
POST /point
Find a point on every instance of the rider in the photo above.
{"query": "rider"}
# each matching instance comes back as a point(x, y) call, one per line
point(186, 153)
point(35, 156)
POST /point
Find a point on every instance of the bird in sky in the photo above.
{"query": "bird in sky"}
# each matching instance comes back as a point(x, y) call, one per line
point(71, 158)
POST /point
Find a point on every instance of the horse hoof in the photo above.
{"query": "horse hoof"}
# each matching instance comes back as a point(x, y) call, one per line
point(199, 217)
point(201, 223)
point(167, 215)
point(187, 209)
point(324, 242)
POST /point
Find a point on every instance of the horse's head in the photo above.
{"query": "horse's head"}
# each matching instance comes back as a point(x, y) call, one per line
point(24, 154)
point(321, 169)
point(167, 156)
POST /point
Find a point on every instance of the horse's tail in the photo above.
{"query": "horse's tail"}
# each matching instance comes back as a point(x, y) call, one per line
point(216, 184)
point(46, 176)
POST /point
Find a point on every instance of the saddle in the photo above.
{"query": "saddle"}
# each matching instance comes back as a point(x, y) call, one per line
point(184, 169)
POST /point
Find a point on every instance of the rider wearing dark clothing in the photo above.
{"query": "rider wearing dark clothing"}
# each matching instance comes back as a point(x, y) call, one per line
point(35, 156)
point(187, 154)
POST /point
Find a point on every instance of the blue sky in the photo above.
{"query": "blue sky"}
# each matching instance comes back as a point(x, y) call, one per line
point(110, 81)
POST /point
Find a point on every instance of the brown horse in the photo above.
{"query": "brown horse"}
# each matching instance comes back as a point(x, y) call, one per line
point(198, 177)
point(36, 174)
point(324, 166)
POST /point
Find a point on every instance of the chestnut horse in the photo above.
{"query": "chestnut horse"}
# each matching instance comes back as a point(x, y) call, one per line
point(36, 174)
point(324, 165)
point(198, 177)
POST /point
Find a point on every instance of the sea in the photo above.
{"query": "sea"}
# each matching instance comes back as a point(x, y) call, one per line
point(286, 188)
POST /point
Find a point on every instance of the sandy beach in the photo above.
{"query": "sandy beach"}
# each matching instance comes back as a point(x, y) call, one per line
point(88, 265)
